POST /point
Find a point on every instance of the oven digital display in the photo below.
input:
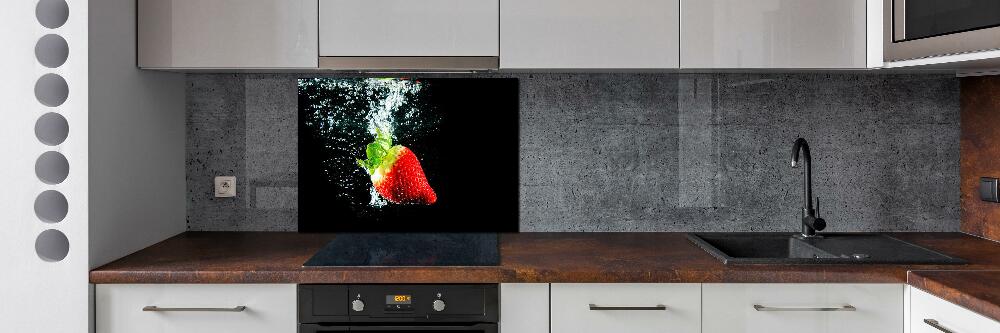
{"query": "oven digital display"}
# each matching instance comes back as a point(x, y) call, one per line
point(398, 299)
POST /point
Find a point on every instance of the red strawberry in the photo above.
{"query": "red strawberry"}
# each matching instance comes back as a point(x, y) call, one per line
point(396, 173)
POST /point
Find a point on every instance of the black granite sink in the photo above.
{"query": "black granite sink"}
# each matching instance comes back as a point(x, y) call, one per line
point(837, 248)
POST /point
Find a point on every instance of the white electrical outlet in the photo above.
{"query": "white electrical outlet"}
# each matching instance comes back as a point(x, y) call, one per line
point(225, 187)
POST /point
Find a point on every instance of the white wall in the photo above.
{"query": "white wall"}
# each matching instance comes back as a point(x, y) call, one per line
point(38, 295)
point(137, 188)
point(126, 135)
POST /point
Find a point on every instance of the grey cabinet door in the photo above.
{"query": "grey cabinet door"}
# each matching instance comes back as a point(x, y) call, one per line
point(409, 28)
point(773, 34)
point(228, 33)
point(589, 34)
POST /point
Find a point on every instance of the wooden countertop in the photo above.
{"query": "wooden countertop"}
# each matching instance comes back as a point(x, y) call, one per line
point(273, 257)
point(978, 291)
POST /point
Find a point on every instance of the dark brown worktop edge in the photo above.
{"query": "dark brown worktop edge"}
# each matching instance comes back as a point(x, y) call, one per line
point(304, 276)
point(474, 275)
point(953, 295)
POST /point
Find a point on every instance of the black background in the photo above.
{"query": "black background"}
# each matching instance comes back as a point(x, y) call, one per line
point(471, 162)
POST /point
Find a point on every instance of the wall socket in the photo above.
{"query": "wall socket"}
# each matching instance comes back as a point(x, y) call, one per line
point(988, 189)
point(225, 187)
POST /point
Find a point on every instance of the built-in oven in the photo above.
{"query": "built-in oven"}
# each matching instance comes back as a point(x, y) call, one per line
point(928, 28)
point(386, 308)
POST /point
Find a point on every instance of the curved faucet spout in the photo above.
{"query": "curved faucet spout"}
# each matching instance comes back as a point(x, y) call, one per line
point(800, 144)
point(810, 222)
point(807, 188)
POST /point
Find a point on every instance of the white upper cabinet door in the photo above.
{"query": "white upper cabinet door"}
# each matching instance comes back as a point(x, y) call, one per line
point(815, 308)
point(409, 28)
point(625, 307)
point(589, 34)
point(227, 33)
point(773, 34)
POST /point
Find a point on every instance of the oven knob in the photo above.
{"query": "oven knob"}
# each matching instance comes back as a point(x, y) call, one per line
point(438, 305)
point(358, 305)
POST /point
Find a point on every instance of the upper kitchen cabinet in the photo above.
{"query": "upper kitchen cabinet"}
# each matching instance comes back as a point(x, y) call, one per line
point(207, 34)
point(929, 34)
point(779, 34)
point(409, 34)
point(589, 34)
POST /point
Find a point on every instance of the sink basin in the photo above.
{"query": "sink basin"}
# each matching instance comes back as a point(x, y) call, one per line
point(785, 248)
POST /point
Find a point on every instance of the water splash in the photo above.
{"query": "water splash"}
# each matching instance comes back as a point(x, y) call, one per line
point(377, 200)
point(347, 113)
point(381, 116)
point(396, 92)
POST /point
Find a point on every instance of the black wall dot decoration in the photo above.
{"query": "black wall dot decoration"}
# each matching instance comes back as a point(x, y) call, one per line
point(52, 167)
point(51, 90)
point(52, 13)
point(51, 50)
point(52, 245)
point(51, 129)
point(51, 206)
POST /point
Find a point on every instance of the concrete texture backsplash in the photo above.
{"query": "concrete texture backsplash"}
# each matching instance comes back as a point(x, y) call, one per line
point(639, 152)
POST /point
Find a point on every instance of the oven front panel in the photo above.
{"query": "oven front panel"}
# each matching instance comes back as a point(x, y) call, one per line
point(399, 308)
point(477, 328)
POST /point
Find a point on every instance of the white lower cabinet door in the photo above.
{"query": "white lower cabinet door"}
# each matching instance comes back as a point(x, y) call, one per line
point(625, 307)
point(930, 314)
point(196, 308)
point(815, 308)
point(524, 308)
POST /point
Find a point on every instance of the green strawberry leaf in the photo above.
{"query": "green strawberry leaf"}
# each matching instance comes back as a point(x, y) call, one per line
point(376, 151)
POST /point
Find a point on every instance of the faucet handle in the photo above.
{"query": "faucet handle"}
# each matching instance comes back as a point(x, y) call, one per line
point(817, 206)
point(818, 224)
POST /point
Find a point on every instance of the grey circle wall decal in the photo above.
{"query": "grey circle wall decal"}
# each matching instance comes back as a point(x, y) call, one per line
point(51, 51)
point(51, 129)
point(51, 90)
point(51, 206)
point(52, 13)
point(52, 245)
point(52, 167)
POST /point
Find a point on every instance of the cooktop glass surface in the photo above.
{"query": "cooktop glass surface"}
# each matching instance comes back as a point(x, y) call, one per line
point(409, 249)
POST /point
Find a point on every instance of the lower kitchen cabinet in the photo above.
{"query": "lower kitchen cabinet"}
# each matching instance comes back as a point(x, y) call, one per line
point(817, 308)
point(930, 314)
point(196, 308)
point(569, 308)
point(625, 307)
point(524, 308)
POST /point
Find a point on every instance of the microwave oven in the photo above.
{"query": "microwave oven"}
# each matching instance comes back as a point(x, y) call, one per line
point(915, 29)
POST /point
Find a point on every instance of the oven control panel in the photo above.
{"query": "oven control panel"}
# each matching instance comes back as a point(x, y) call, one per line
point(398, 303)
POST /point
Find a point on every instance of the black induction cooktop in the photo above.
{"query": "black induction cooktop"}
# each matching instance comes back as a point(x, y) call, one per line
point(409, 249)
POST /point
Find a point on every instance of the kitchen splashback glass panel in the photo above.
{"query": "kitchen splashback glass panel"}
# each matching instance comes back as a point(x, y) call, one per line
point(408, 155)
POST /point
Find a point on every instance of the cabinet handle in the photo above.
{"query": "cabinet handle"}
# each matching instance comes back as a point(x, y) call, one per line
point(848, 307)
point(594, 307)
point(935, 324)
point(159, 309)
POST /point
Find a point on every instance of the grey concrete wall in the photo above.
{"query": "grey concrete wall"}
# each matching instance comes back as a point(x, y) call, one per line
point(640, 152)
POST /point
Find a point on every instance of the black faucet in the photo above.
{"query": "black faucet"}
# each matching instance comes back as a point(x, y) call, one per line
point(810, 221)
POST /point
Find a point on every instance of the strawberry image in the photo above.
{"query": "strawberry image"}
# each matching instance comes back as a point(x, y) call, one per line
point(396, 173)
